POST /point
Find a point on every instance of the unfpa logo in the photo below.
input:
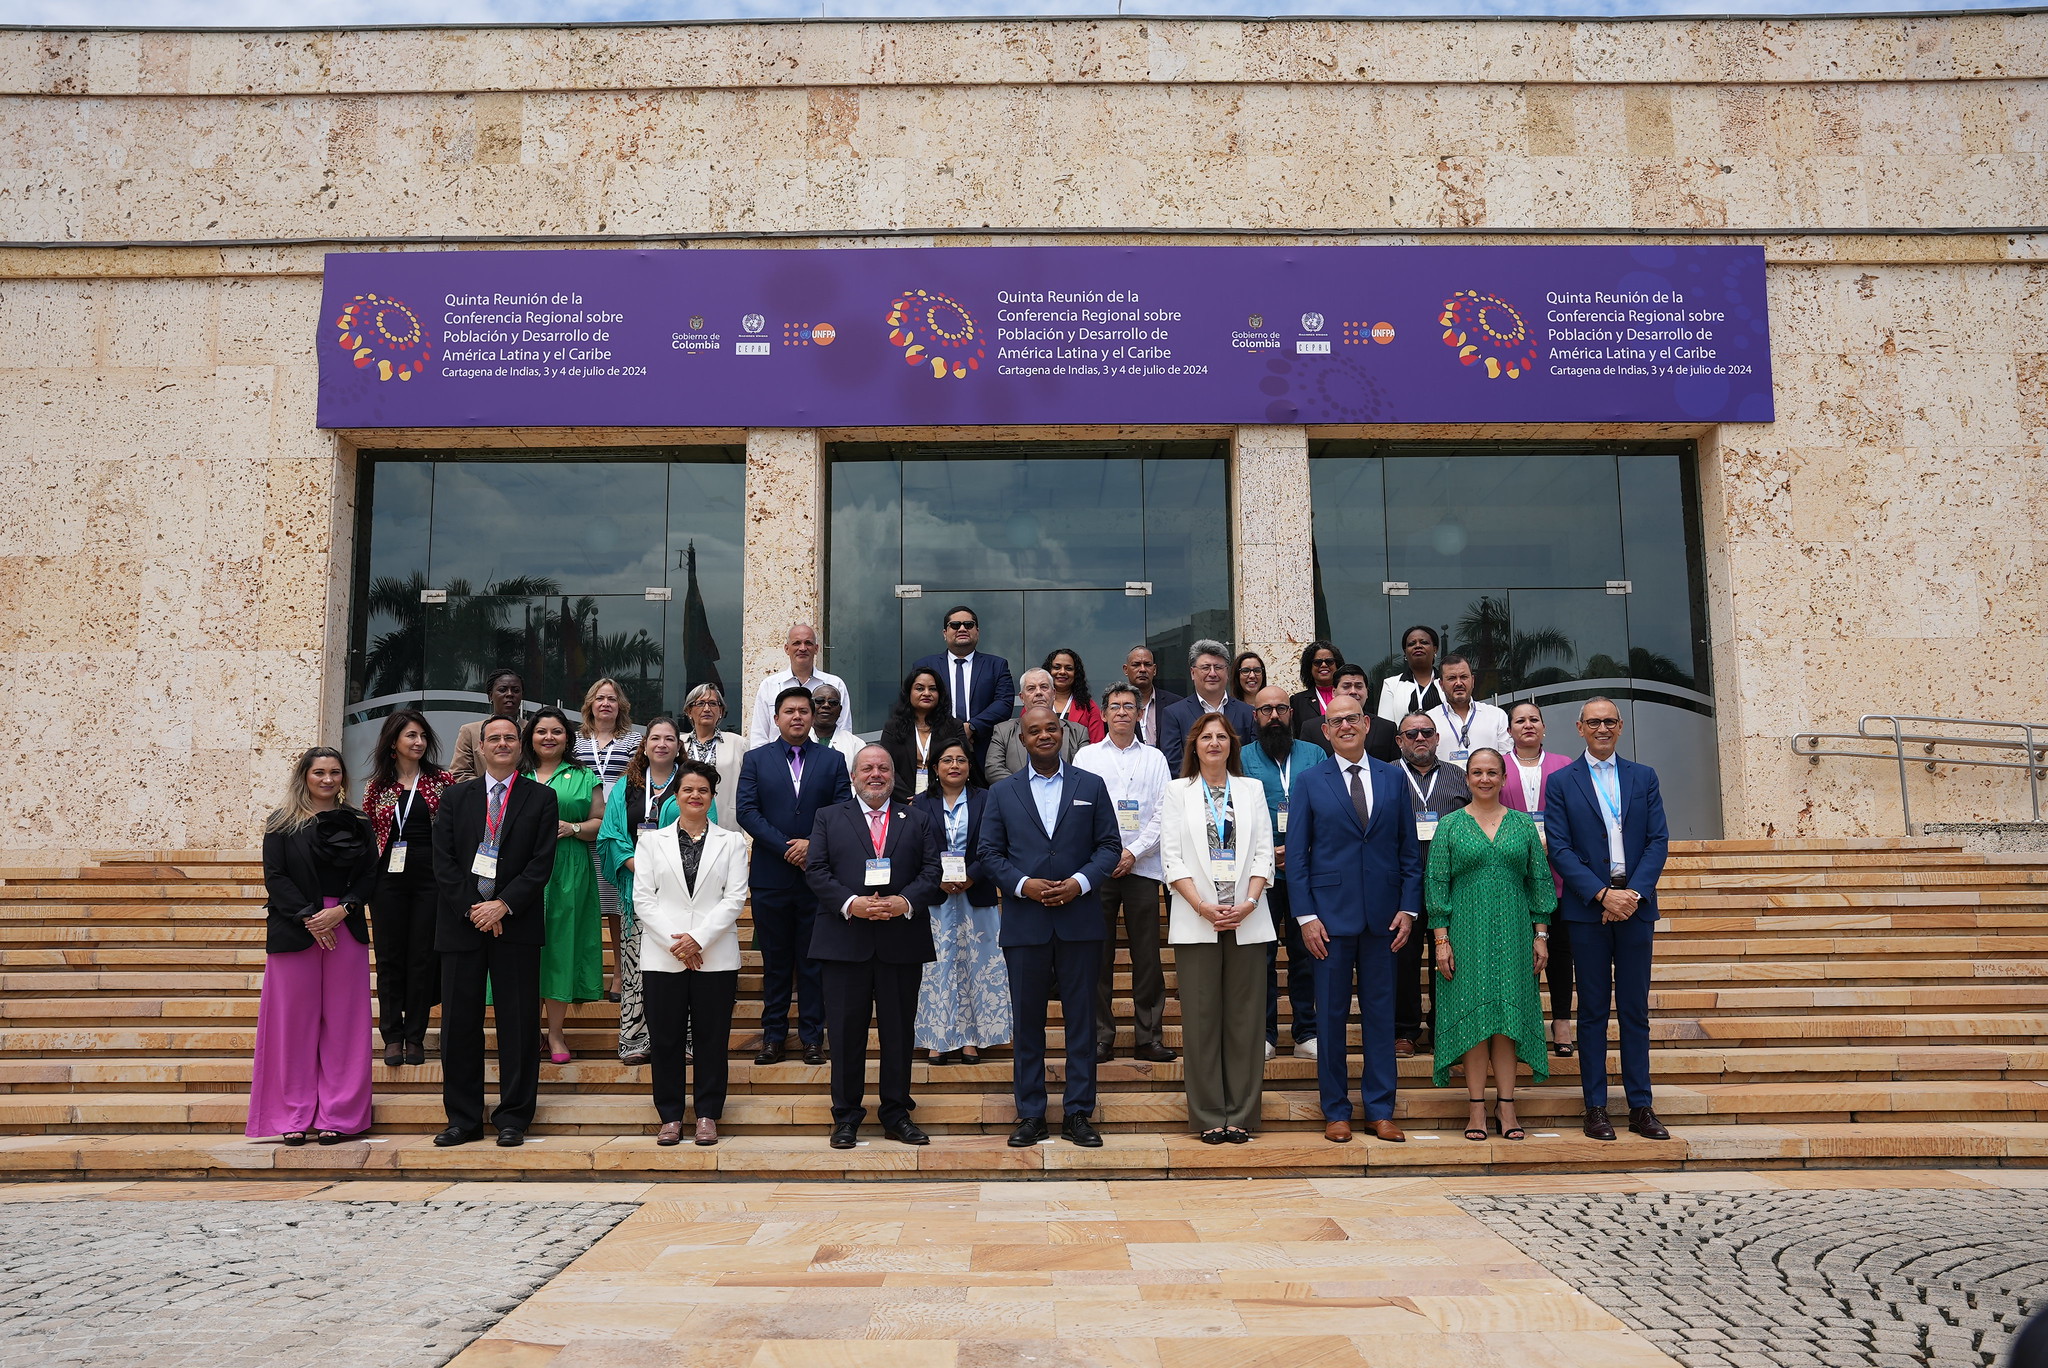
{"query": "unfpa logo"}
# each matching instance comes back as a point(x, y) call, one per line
point(379, 331)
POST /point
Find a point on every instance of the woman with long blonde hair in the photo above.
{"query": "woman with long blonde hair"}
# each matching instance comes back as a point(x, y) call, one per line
point(606, 741)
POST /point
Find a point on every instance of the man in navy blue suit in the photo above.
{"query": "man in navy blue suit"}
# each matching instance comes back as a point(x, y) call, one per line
point(979, 685)
point(1604, 820)
point(874, 865)
point(782, 786)
point(1209, 663)
point(1354, 883)
point(1049, 840)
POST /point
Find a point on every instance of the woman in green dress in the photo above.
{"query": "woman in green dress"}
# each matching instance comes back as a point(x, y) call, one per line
point(572, 960)
point(1490, 898)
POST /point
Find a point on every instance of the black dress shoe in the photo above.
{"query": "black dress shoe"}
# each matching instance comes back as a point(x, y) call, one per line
point(1643, 1121)
point(510, 1137)
point(814, 1054)
point(1104, 1053)
point(415, 1053)
point(907, 1133)
point(1598, 1127)
point(770, 1054)
point(1077, 1129)
point(456, 1135)
point(1029, 1131)
point(1156, 1053)
point(846, 1136)
point(394, 1054)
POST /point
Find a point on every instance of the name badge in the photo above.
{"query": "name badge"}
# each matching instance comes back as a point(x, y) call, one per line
point(1425, 826)
point(1127, 815)
point(1542, 832)
point(878, 872)
point(953, 868)
point(1280, 820)
point(1458, 757)
point(484, 866)
point(1223, 865)
point(397, 864)
point(917, 784)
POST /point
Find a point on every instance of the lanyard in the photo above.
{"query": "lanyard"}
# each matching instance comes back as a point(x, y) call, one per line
point(1451, 721)
point(924, 748)
point(1125, 780)
point(796, 766)
point(652, 815)
point(1065, 706)
point(956, 816)
point(1286, 775)
point(405, 814)
point(491, 827)
point(1422, 795)
point(1219, 817)
point(879, 837)
point(1613, 809)
point(601, 760)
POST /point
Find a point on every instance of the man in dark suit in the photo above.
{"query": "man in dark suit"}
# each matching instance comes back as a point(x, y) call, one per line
point(1354, 883)
point(1380, 740)
point(979, 686)
point(494, 850)
point(1141, 669)
point(1049, 840)
point(1209, 663)
point(1604, 819)
point(874, 866)
point(783, 785)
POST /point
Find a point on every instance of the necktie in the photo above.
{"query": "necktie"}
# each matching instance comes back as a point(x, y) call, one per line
point(877, 831)
point(959, 688)
point(796, 766)
point(1358, 797)
point(493, 820)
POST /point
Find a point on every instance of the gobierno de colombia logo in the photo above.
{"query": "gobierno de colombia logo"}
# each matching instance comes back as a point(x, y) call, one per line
point(379, 331)
point(935, 330)
point(1486, 328)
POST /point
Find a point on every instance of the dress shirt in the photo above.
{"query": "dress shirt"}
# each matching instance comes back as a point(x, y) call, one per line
point(1399, 696)
point(1607, 786)
point(961, 669)
point(1278, 781)
point(867, 815)
point(1046, 791)
point(1358, 779)
point(1485, 725)
point(763, 729)
point(1148, 721)
point(1137, 772)
point(1215, 707)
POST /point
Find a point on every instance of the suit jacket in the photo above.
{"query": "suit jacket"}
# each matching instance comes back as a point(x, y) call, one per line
point(1007, 756)
point(1015, 847)
point(1175, 722)
point(469, 756)
point(1354, 878)
point(1577, 834)
point(903, 751)
point(1165, 698)
point(840, 850)
point(981, 890)
point(991, 694)
point(1308, 726)
point(775, 812)
point(298, 873)
point(1184, 839)
point(526, 860)
point(666, 906)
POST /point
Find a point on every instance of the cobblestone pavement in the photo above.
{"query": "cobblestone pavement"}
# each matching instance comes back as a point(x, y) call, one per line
point(1890, 1279)
point(243, 1284)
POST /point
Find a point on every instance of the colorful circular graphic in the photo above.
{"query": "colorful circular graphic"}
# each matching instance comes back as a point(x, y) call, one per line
point(935, 330)
point(1487, 328)
point(379, 331)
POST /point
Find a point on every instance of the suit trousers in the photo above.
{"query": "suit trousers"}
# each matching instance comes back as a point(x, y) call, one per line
point(782, 930)
point(408, 971)
point(513, 974)
point(1366, 962)
point(1559, 972)
point(693, 1003)
point(1137, 898)
point(856, 992)
point(1223, 1048)
point(1612, 961)
point(1415, 966)
point(1071, 969)
point(1301, 971)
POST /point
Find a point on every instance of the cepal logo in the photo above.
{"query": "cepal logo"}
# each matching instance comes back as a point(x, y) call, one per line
point(936, 330)
point(1487, 328)
point(379, 331)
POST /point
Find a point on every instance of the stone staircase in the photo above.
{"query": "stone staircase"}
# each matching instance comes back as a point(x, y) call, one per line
point(1872, 1001)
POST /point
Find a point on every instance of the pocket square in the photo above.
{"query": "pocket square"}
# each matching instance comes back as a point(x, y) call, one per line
point(1082, 802)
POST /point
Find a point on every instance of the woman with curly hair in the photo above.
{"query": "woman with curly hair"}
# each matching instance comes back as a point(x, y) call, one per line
point(1070, 697)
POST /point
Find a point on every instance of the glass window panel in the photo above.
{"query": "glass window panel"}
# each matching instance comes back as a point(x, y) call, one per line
point(1557, 635)
point(1002, 633)
point(549, 527)
point(1032, 522)
point(1349, 503)
point(864, 628)
point(1099, 625)
point(1474, 519)
point(389, 642)
point(706, 557)
point(1665, 643)
point(1188, 561)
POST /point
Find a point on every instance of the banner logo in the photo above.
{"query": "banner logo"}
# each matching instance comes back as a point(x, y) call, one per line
point(935, 330)
point(381, 332)
point(1487, 328)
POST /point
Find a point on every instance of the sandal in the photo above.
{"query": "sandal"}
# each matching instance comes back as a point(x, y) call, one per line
point(328, 1137)
point(1479, 1132)
point(1237, 1135)
point(1514, 1132)
point(1218, 1136)
point(294, 1138)
point(1562, 1049)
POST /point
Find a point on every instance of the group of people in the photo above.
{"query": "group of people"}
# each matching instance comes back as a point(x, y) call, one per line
point(936, 889)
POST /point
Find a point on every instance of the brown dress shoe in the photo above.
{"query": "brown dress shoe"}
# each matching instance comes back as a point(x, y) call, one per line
point(707, 1131)
point(1404, 1049)
point(671, 1133)
point(1387, 1130)
point(1598, 1127)
point(1339, 1131)
point(1643, 1121)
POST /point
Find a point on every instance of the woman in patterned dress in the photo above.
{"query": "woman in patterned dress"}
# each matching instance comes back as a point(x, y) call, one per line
point(605, 741)
point(963, 1006)
point(1490, 898)
point(651, 771)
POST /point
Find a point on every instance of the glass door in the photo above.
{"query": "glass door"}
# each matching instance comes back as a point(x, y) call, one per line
point(1024, 626)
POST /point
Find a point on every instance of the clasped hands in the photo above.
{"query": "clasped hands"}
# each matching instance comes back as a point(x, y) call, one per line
point(684, 947)
point(1052, 892)
point(489, 916)
point(1619, 904)
point(322, 923)
point(876, 907)
point(1225, 916)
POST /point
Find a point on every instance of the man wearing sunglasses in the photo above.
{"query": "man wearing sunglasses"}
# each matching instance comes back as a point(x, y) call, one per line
point(979, 688)
point(1604, 819)
point(1436, 789)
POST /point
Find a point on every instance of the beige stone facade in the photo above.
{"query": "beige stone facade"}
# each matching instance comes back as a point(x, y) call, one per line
point(175, 552)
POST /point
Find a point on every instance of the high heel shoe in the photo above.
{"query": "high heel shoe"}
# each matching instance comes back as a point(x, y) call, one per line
point(1479, 1133)
point(1514, 1132)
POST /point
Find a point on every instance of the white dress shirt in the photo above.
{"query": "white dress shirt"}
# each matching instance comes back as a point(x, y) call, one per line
point(1484, 725)
point(962, 697)
point(1607, 792)
point(1134, 774)
point(762, 729)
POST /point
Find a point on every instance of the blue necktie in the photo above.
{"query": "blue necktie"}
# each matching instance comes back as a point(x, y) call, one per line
point(959, 688)
point(493, 822)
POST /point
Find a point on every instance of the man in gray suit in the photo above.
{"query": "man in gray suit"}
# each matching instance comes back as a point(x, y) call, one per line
point(1006, 753)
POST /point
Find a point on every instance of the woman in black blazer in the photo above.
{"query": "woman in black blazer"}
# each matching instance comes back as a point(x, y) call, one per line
point(963, 1005)
point(920, 723)
point(312, 1068)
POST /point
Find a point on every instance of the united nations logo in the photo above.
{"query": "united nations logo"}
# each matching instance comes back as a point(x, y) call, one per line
point(1256, 321)
point(696, 322)
point(753, 323)
point(1311, 322)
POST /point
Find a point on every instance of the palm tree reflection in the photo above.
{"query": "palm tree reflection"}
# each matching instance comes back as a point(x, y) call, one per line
point(1509, 658)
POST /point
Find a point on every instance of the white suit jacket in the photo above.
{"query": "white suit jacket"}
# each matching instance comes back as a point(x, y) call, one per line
point(667, 908)
point(1184, 837)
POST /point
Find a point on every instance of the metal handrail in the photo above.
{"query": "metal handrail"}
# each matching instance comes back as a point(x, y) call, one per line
point(2034, 752)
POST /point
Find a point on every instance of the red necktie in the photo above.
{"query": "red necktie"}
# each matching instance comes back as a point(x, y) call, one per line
point(877, 827)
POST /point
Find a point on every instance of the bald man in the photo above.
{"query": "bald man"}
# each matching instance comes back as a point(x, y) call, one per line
point(801, 646)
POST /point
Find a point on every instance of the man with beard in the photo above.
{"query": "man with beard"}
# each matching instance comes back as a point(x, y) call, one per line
point(1276, 761)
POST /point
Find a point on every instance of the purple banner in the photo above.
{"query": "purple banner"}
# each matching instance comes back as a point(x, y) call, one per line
point(1015, 335)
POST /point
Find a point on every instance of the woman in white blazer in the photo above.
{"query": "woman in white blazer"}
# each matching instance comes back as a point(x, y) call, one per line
point(689, 883)
point(1216, 851)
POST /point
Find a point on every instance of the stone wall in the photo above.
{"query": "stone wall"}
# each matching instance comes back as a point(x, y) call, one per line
point(175, 554)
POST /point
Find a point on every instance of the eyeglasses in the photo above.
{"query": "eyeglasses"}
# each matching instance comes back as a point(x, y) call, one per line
point(1601, 723)
point(1273, 709)
point(961, 626)
point(1120, 707)
point(1347, 720)
point(1419, 733)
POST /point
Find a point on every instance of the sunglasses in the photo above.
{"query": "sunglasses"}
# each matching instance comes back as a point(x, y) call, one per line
point(1419, 733)
point(961, 626)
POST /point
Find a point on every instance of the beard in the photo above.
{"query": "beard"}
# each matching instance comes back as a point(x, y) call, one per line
point(1276, 739)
